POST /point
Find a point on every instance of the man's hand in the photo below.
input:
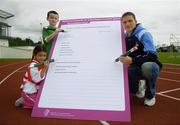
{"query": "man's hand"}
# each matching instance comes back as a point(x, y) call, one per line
point(125, 59)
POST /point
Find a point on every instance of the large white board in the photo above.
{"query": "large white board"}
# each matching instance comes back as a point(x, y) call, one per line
point(84, 78)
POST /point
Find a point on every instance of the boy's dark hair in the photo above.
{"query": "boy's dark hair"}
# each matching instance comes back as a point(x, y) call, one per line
point(52, 11)
point(129, 14)
point(38, 48)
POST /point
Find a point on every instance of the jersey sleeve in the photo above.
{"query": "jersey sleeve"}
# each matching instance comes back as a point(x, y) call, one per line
point(44, 34)
point(36, 75)
point(149, 54)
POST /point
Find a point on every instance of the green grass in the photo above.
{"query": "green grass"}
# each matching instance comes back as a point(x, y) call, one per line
point(166, 57)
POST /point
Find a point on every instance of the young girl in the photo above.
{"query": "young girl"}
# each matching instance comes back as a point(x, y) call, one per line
point(32, 78)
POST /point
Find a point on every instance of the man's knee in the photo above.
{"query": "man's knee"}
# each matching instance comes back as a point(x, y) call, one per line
point(150, 69)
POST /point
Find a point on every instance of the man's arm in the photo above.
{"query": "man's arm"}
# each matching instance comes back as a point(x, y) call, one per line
point(150, 54)
point(148, 57)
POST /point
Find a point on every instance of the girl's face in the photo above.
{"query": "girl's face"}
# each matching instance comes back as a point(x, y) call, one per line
point(53, 19)
point(41, 56)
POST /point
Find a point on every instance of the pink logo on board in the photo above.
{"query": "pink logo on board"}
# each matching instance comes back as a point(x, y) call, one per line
point(46, 112)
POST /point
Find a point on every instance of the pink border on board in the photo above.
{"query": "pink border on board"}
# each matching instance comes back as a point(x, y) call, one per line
point(86, 114)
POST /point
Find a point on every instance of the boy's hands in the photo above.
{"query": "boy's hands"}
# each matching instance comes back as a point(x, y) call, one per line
point(57, 30)
point(125, 59)
point(50, 37)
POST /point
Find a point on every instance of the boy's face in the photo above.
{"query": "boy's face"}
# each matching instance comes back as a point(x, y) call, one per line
point(53, 19)
point(41, 56)
point(129, 23)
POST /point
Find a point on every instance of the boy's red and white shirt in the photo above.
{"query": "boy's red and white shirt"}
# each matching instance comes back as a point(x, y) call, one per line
point(32, 78)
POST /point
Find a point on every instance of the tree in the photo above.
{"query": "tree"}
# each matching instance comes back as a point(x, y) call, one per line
point(17, 41)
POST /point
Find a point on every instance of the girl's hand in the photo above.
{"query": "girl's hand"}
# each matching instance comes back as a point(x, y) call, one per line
point(46, 64)
point(125, 59)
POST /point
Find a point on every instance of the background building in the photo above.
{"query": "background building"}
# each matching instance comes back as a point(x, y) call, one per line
point(7, 51)
point(4, 27)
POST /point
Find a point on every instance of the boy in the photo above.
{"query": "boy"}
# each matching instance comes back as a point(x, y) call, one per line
point(143, 63)
point(50, 31)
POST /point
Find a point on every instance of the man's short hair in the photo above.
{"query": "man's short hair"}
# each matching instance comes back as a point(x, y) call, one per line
point(129, 14)
point(52, 11)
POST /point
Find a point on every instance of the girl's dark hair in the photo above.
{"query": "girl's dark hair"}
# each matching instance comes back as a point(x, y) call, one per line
point(129, 14)
point(52, 11)
point(38, 48)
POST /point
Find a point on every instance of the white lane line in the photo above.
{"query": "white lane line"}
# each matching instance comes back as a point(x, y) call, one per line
point(104, 123)
point(171, 90)
point(10, 64)
point(172, 80)
point(12, 73)
point(170, 72)
point(167, 96)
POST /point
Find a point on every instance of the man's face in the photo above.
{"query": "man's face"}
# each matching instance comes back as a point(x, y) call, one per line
point(129, 23)
point(53, 19)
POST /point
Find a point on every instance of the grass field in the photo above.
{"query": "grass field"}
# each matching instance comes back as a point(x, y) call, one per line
point(166, 57)
point(9, 60)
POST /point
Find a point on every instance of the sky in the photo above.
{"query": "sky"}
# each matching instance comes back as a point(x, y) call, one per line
point(160, 17)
